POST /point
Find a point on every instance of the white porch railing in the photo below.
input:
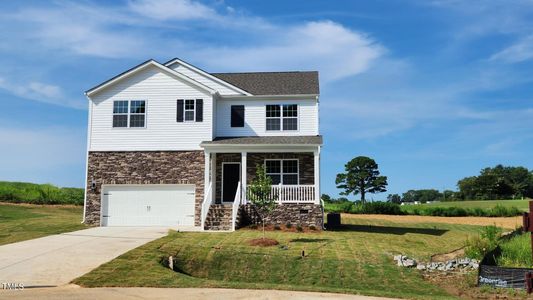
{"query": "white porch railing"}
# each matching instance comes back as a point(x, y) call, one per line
point(206, 204)
point(291, 193)
point(235, 206)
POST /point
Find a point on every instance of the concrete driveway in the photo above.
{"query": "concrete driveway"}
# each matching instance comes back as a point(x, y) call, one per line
point(57, 259)
point(75, 292)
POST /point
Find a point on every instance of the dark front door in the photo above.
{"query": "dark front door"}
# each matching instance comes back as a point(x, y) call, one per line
point(230, 180)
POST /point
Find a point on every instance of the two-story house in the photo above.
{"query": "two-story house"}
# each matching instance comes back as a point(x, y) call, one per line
point(172, 145)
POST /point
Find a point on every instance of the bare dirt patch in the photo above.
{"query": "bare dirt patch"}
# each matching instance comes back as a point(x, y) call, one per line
point(505, 222)
point(263, 242)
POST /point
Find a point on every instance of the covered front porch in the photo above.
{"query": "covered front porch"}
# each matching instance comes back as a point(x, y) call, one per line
point(293, 164)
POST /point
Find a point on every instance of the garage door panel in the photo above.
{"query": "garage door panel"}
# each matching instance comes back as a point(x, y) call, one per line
point(148, 205)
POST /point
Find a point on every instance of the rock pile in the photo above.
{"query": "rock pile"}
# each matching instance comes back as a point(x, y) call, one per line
point(450, 265)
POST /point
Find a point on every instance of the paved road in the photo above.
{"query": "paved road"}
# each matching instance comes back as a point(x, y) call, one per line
point(75, 292)
point(57, 259)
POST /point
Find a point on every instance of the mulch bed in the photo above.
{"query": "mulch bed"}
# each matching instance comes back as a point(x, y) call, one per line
point(263, 242)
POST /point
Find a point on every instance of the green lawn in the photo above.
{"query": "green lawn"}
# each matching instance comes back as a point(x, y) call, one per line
point(357, 260)
point(520, 204)
point(24, 222)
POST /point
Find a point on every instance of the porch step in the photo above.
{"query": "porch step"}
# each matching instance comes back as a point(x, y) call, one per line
point(218, 217)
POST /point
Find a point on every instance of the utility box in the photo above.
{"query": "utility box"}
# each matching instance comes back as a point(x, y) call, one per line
point(334, 220)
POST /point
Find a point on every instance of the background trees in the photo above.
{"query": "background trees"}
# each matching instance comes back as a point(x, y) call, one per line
point(361, 177)
point(500, 182)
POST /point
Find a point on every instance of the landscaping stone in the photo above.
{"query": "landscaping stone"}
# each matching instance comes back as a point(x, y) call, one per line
point(450, 265)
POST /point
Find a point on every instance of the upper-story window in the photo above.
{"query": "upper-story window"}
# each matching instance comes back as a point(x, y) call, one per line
point(282, 117)
point(129, 113)
point(190, 110)
point(237, 116)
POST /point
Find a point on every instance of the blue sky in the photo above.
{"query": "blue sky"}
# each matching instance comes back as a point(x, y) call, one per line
point(433, 90)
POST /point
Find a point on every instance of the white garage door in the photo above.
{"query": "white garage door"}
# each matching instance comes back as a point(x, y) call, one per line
point(148, 205)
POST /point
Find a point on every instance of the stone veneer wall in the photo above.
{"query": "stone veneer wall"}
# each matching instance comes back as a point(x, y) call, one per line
point(303, 214)
point(136, 167)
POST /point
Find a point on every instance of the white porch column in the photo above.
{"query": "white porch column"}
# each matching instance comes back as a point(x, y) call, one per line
point(244, 156)
point(317, 175)
point(213, 176)
point(207, 164)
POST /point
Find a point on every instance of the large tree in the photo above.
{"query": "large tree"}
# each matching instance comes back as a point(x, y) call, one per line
point(361, 177)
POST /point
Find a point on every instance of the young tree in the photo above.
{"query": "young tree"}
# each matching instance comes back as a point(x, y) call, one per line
point(260, 195)
point(361, 177)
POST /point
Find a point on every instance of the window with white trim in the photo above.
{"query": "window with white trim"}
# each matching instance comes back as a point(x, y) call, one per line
point(189, 110)
point(284, 171)
point(282, 117)
point(129, 113)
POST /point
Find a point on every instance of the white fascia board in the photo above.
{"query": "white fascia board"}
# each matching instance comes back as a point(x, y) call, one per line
point(142, 67)
point(270, 97)
point(258, 148)
point(205, 74)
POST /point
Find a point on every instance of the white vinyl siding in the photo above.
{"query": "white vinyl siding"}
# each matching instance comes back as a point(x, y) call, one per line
point(161, 130)
point(255, 118)
point(222, 89)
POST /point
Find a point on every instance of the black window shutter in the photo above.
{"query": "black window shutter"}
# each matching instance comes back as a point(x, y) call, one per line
point(237, 116)
point(179, 111)
point(199, 110)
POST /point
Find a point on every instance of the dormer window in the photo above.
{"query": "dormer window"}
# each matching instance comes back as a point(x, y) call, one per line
point(282, 117)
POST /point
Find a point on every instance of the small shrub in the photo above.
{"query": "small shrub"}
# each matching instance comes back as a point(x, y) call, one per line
point(299, 228)
point(488, 240)
point(253, 226)
point(288, 225)
point(277, 227)
point(312, 227)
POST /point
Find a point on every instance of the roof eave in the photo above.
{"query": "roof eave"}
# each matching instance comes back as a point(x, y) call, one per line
point(206, 74)
point(141, 66)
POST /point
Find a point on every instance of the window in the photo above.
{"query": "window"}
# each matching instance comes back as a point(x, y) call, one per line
point(137, 113)
point(237, 116)
point(284, 171)
point(129, 113)
point(282, 117)
point(189, 110)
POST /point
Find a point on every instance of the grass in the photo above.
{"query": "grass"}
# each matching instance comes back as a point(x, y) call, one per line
point(355, 260)
point(32, 193)
point(24, 222)
point(482, 204)
point(516, 252)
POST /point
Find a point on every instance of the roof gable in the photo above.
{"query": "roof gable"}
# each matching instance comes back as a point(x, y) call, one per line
point(209, 77)
point(141, 67)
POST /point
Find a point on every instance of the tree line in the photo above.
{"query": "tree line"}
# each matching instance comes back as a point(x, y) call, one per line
point(499, 182)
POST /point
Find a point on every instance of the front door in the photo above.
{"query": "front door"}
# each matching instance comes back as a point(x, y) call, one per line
point(231, 175)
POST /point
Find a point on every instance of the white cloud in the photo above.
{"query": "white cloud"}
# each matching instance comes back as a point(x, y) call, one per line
point(172, 9)
point(41, 92)
point(329, 47)
point(518, 52)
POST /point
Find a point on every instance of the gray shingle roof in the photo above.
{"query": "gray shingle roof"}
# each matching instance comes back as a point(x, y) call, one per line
point(267, 140)
point(274, 83)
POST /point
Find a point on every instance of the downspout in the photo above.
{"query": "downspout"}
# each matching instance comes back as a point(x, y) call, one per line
point(89, 129)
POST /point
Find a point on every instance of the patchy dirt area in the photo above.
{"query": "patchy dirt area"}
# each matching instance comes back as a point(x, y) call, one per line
point(263, 242)
point(505, 222)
